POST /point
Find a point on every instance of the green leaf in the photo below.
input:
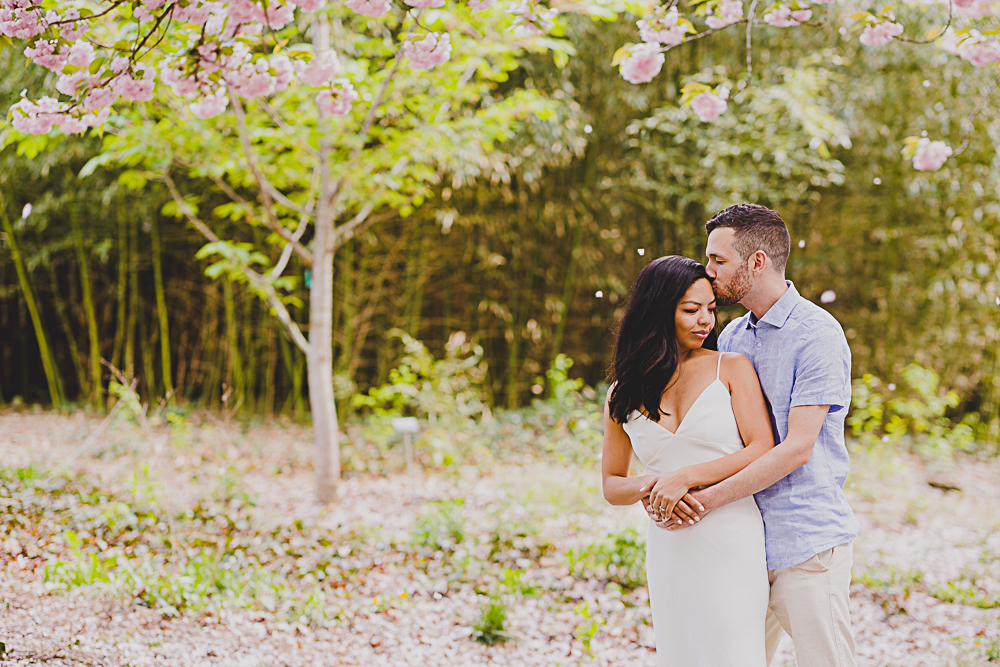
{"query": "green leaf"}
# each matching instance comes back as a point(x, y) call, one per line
point(621, 54)
point(133, 180)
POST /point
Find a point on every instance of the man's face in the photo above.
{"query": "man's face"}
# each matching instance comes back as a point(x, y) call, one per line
point(729, 273)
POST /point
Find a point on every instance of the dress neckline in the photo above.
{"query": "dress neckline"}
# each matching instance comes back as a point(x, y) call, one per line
point(686, 414)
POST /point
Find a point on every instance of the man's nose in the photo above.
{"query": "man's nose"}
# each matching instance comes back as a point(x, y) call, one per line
point(710, 271)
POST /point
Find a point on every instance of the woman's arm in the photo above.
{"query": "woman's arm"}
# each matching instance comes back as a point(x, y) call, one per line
point(754, 423)
point(619, 488)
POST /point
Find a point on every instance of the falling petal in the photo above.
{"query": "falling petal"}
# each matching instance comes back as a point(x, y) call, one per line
point(828, 296)
point(599, 294)
point(642, 251)
point(26, 211)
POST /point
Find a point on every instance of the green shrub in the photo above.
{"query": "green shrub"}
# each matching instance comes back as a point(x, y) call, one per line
point(619, 558)
point(490, 626)
point(913, 415)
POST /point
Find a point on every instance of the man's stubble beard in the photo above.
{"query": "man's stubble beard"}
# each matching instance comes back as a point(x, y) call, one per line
point(734, 292)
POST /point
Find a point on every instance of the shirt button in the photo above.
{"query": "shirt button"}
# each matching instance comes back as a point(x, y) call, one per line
point(759, 344)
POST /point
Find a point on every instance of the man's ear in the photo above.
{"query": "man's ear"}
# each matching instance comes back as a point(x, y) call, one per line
point(758, 262)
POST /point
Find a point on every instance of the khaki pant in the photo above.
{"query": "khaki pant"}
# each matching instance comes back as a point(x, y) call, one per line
point(810, 601)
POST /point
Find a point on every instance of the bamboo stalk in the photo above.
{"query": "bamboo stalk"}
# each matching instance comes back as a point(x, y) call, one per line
point(161, 306)
point(89, 312)
point(122, 290)
point(133, 295)
point(48, 363)
point(74, 351)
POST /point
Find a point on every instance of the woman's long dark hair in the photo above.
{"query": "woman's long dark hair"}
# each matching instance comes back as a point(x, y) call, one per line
point(646, 350)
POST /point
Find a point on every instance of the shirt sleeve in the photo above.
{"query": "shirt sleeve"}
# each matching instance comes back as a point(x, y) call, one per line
point(823, 372)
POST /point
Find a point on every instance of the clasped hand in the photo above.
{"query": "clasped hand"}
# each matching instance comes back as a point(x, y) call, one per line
point(669, 501)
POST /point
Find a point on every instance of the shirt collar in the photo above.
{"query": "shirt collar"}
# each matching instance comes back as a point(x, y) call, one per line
point(778, 314)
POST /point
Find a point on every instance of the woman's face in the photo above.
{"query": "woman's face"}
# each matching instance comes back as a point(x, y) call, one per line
point(695, 317)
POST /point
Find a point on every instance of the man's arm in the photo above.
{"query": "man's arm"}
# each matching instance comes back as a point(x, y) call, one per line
point(804, 424)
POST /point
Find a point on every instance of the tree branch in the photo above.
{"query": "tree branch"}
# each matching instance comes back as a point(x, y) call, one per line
point(259, 281)
point(291, 239)
point(268, 191)
point(975, 112)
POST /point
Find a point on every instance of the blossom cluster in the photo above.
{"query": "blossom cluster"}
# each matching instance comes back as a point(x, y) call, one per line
point(209, 54)
point(665, 27)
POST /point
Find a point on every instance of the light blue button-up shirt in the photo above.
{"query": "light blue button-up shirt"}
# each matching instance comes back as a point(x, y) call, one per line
point(802, 358)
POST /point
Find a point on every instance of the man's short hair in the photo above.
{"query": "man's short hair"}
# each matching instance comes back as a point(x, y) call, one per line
point(755, 227)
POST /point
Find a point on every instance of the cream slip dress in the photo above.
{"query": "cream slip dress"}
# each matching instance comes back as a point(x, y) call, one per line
point(708, 585)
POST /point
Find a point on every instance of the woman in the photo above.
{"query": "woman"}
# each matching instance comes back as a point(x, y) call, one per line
point(693, 417)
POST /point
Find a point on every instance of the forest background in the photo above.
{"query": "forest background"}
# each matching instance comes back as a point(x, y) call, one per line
point(533, 258)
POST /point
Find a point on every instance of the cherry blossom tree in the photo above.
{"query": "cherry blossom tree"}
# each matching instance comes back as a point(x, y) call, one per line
point(315, 121)
point(961, 31)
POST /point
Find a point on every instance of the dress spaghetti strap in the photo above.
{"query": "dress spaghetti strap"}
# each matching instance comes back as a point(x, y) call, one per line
point(719, 365)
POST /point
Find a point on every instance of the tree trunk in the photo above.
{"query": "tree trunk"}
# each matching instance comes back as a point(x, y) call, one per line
point(48, 363)
point(320, 355)
point(569, 286)
point(161, 306)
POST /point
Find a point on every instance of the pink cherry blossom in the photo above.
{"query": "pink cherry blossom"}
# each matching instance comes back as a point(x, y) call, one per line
point(99, 98)
point(480, 5)
point(309, 5)
point(880, 33)
point(252, 79)
point(70, 31)
point(530, 20)
point(979, 49)
point(181, 85)
point(373, 8)
point(278, 16)
point(431, 51)
point(975, 9)
point(44, 54)
point(662, 27)
point(244, 11)
point(36, 117)
point(119, 64)
point(19, 22)
point(72, 125)
point(726, 13)
point(134, 90)
point(321, 70)
point(642, 64)
point(81, 54)
point(337, 101)
point(784, 16)
point(930, 155)
point(284, 72)
point(68, 84)
point(425, 3)
point(210, 105)
point(707, 106)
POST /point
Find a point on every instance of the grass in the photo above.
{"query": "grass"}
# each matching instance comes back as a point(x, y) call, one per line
point(490, 626)
point(619, 558)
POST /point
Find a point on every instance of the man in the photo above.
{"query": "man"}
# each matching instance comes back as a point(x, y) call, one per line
point(801, 355)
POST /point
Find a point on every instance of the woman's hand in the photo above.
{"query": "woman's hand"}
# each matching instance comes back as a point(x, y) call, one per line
point(666, 491)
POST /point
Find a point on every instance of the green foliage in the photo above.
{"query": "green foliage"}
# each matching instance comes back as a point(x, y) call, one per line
point(446, 388)
point(490, 626)
point(914, 415)
point(618, 557)
point(204, 560)
point(440, 525)
point(892, 586)
point(588, 626)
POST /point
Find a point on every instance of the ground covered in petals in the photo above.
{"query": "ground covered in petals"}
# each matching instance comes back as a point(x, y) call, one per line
point(201, 545)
